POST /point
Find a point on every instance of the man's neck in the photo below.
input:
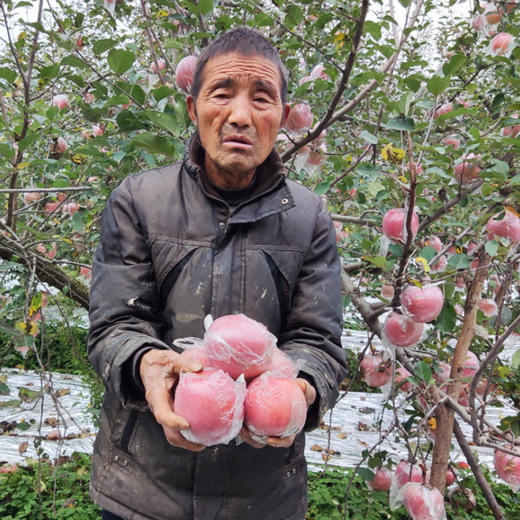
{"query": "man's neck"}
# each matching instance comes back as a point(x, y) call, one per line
point(226, 179)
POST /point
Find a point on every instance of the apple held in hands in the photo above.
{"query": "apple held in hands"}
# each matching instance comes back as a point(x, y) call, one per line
point(274, 406)
point(239, 345)
point(212, 403)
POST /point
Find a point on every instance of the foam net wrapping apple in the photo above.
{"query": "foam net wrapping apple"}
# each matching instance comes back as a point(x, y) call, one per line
point(274, 406)
point(239, 345)
point(507, 467)
point(401, 331)
point(382, 479)
point(212, 403)
point(422, 502)
point(405, 472)
point(422, 304)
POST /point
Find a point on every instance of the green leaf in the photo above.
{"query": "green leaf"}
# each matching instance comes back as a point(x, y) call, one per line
point(447, 319)
point(373, 28)
point(120, 60)
point(4, 389)
point(436, 85)
point(423, 371)
point(163, 120)
point(515, 360)
point(368, 137)
point(133, 90)
point(428, 252)
point(492, 247)
point(460, 261)
point(500, 167)
point(454, 64)
point(366, 474)
point(128, 122)
point(101, 46)
point(205, 6)
point(49, 72)
point(162, 92)
point(78, 19)
point(294, 16)
point(8, 74)
point(515, 181)
point(401, 123)
point(27, 141)
point(378, 261)
point(155, 144)
point(322, 187)
point(74, 61)
point(6, 150)
point(23, 425)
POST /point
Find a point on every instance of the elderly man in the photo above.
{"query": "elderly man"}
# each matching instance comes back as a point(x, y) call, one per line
point(222, 232)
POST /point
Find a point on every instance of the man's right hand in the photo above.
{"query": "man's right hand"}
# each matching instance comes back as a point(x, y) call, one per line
point(159, 371)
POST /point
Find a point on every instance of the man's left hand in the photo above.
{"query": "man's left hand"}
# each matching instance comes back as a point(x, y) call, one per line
point(281, 442)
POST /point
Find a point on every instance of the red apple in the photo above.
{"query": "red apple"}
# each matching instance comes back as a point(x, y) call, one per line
point(469, 169)
point(387, 291)
point(435, 242)
point(511, 131)
point(453, 141)
point(510, 5)
point(507, 468)
point(85, 272)
point(376, 369)
point(401, 374)
point(443, 109)
point(281, 364)
point(394, 224)
point(300, 117)
point(160, 63)
point(70, 208)
point(406, 472)
point(274, 406)
point(97, 130)
point(212, 403)
point(450, 477)
point(184, 72)
point(470, 366)
point(401, 331)
point(439, 265)
point(479, 22)
point(238, 344)
point(31, 196)
point(488, 307)
point(492, 14)
point(61, 101)
point(319, 72)
point(502, 44)
point(423, 304)
point(50, 207)
point(508, 227)
point(382, 479)
point(423, 502)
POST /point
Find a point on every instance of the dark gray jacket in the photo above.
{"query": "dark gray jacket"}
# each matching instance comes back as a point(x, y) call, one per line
point(170, 253)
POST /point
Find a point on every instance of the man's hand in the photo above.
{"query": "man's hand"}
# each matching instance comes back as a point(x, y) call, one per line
point(281, 442)
point(159, 371)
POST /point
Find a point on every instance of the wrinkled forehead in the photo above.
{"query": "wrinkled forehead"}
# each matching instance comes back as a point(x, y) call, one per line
point(233, 67)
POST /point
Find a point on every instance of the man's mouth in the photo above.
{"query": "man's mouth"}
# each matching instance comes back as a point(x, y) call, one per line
point(237, 141)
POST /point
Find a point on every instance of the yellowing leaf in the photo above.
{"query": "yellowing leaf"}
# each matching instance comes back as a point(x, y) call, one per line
point(393, 155)
point(22, 165)
point(423, 262)
point(432, 422)
point(512, 210)
point(162, 13)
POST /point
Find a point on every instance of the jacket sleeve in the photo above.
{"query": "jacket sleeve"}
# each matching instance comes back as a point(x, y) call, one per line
point(124, 314)
point(312, 332)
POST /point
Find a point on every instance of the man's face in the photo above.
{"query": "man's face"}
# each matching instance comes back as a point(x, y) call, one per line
point(238, 113)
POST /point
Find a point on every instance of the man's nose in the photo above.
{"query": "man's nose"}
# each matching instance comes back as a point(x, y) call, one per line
point(240, 112)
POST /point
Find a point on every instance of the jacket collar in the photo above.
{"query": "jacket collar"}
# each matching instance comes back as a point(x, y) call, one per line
point(270, 173)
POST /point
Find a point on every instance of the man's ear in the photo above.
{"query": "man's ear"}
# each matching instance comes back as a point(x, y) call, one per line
point(286, 111)
point(192, 110)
